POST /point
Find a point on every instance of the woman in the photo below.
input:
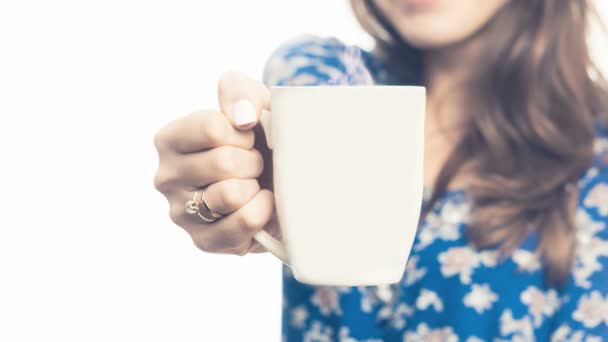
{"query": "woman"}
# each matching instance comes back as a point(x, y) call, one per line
point(513, 238)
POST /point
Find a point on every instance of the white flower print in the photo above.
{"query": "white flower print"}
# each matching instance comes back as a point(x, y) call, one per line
point(391, 308)
point(591, 310)
point(327, 299)
point(458, 260)
point(480, 298)
point(598, 198)
point(334, 74)
point(589, 175)
point(369, 298)
point(299, 314)
point(356, 71)
point(385, 292)
point(488, 258)
point(455, 212)
point(565, 334)
point(300, 80)
point(444, 225)
point(582, 272)
point(587, 226)
point(412, 273)
point(343, 335)
point(284, 65)
point(540, 303)
point(427, 233)
point(462, 261)
point(374, 295)
point(398, 316)
point(473, 339)
point(600, 146)
point(384, 297)
point(424, 334)
point(509, 325)
point(597, 247)
point(279, 67)
point(589, 248)
point(428, 298)
point(318, 332)
point(526, 260)
point(447, 262)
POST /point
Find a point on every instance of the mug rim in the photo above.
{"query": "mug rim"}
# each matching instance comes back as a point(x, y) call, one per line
point(349, 86)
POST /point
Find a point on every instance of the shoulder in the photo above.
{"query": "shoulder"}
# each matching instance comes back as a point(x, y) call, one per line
point(593, 185)
point(595, 179)
point(313, 60)
point(597, 173)
point(592, 213)
point(600, 145)
point(591, 266)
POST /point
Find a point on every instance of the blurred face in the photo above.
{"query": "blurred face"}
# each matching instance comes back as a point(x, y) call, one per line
point(428, 24)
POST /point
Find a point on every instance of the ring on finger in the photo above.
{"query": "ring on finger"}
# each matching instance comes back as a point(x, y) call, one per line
point(208, 208)
point(203, 211)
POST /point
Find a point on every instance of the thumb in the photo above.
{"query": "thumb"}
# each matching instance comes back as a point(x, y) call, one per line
point(242, 99)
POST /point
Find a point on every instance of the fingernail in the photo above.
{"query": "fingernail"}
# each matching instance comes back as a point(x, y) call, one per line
point(243, 112)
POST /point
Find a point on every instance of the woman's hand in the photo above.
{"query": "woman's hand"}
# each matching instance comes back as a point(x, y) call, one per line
point(224, 153)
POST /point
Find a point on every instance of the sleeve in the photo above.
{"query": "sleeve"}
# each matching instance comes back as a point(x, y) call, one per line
point(308, 60)
point(583, 315)
point(309, 312)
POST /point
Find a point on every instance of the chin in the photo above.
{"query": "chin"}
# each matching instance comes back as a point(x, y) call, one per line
point(435, 33)
point(430, 41)
point(438, 23)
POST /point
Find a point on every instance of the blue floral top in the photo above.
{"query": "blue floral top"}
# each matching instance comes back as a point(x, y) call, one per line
point(449, 291)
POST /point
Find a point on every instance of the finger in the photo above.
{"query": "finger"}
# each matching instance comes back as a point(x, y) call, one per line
point(200, 131)
point(273, 228)
point(234, 233)
point(196, 170)
point(223, 197)
point(231, 194)
point(242, 98)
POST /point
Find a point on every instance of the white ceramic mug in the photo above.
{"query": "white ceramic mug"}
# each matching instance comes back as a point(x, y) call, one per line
point(348, 180)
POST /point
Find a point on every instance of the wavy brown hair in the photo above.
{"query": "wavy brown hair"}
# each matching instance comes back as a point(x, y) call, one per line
point(531, 126)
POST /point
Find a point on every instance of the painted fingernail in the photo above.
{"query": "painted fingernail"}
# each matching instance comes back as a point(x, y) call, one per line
point(243, 112)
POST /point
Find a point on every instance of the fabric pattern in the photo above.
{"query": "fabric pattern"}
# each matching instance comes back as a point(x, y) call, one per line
point(449, 291)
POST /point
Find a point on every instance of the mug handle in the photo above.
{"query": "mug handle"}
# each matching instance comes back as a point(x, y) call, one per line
point(274, 246)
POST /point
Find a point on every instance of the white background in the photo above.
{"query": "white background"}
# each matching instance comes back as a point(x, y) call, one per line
point(87, 251)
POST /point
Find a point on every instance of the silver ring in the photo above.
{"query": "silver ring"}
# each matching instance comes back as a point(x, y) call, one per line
point(193, 207)
point(208, 208)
